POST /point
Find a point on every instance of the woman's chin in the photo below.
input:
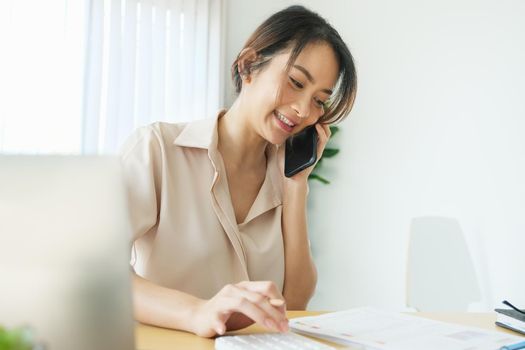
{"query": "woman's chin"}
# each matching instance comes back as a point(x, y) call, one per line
point(276, 140)
point(275, 135)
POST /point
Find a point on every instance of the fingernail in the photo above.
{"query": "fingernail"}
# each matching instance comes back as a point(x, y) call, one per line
point(276, 302)
point(269, 323)
point(284, 326)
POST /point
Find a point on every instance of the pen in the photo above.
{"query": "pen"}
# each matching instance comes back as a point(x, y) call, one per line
point(520, 345)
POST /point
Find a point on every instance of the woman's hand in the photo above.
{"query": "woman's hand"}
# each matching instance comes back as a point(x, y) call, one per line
point(239, 305)
point(323, 133)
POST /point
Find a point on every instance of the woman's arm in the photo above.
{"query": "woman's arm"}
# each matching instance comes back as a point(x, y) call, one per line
point(300, 271)
point(233, 307)
point(162, 306)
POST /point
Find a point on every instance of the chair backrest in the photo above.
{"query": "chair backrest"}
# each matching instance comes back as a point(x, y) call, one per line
point(440, 274)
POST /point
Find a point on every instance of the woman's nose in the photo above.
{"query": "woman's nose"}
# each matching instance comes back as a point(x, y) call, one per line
point(301, 108)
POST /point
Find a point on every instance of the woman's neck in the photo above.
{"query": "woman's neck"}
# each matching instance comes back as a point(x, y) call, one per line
point(239, 144)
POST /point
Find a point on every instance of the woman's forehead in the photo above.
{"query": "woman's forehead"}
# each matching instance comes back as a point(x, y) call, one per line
point(316, 61)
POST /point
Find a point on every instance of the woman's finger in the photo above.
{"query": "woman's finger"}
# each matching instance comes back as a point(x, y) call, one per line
point(328, 131)
point(219, 326)
point(266, 288)
point(270, 290)
point(277, 302)
point(324, 132)
point(246, 307)
point(263, 303)
point(323, 138)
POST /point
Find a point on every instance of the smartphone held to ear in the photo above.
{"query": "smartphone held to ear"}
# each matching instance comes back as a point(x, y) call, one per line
point(300, 151)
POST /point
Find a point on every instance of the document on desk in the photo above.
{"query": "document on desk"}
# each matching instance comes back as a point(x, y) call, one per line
point(371, 328)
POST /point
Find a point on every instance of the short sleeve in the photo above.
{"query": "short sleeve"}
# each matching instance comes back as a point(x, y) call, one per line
point(142, 168)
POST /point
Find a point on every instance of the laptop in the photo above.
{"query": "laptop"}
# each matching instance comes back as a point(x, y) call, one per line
point(64, 251)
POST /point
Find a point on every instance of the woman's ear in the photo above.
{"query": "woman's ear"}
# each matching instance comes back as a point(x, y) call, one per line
point(247, 57)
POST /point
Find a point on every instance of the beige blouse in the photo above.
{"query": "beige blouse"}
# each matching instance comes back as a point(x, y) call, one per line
point(185, 235)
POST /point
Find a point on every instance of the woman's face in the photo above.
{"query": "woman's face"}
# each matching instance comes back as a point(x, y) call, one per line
point(283, 103)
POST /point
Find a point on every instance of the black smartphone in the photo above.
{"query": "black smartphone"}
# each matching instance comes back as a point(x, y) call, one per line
point(300, 151)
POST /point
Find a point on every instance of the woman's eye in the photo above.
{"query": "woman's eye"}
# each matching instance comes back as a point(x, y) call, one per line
point(319, 103)
point(296, 83)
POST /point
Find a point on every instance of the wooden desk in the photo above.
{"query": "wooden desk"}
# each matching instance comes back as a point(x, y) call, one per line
point(153, 338)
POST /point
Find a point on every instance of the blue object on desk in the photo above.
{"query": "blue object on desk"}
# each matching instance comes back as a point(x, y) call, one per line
point(516, 346)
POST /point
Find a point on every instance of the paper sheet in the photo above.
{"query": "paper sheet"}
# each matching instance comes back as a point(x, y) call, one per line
point(377, 329)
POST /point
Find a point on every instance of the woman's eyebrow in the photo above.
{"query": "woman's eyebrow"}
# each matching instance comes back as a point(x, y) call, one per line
point(310, 77)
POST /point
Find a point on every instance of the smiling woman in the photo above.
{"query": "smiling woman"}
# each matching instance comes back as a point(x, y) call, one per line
point(220, 236)
point(298, 94)
point(278, 34)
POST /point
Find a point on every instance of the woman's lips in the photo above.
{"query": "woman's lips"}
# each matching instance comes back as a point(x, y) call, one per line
point(282, 124)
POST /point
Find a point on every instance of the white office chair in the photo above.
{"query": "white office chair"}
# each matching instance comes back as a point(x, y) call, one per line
point(441, 275)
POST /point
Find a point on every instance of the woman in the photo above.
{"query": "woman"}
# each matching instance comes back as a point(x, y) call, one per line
point(220, 236)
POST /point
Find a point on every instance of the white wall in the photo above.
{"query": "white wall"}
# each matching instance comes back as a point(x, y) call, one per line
point(437, 129)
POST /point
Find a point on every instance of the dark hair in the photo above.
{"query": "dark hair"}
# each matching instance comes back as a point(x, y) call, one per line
point(296, 27)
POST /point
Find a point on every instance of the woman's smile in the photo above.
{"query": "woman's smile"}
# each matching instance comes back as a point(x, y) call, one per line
point(285, 123)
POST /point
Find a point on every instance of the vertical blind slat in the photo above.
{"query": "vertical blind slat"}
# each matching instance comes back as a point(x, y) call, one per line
point(144, 90)
point(201, 59)
point(158, 60)
point(115, 50)
point(187, 58)
point(93, 77)
point(174, 71)
point(215, 61)
point(127, 67)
